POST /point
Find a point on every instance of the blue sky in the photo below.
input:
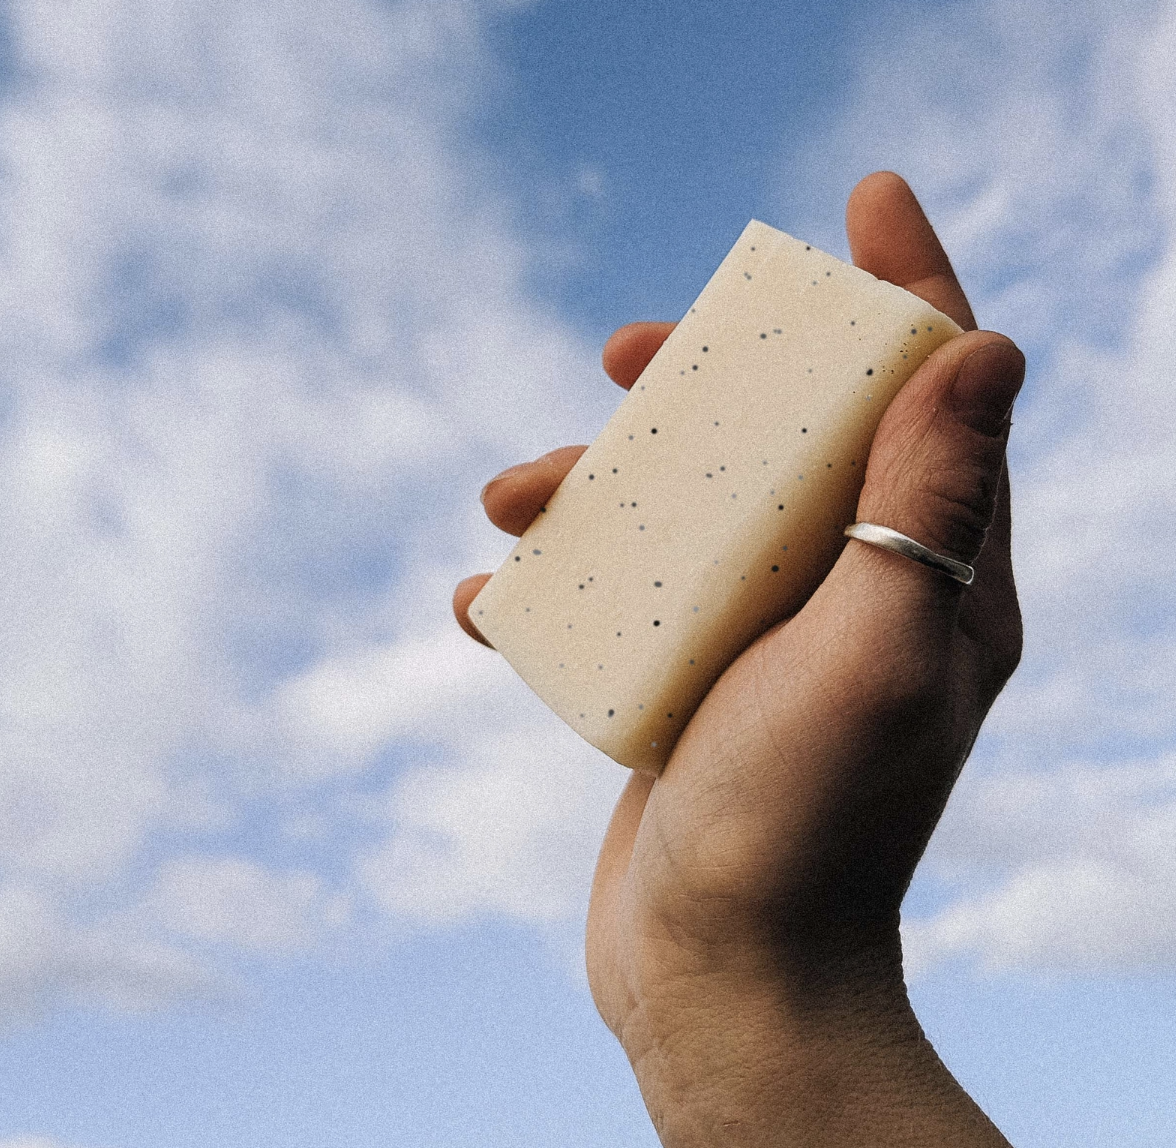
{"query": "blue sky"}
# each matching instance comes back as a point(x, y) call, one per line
point(284, 859)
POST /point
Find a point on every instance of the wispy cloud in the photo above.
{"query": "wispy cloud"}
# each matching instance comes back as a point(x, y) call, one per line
point(1066, 869)
point(45, 957)
point(227, 900)
point(263, 330)
point(1041, 138)
point(31, 1142)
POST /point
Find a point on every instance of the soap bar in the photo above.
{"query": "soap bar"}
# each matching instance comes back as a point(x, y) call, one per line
point(712, 504)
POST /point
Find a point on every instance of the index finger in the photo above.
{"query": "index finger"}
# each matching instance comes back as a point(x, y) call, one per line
point(892, 239)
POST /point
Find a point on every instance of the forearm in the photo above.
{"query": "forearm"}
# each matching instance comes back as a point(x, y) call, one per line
point(758, 1064)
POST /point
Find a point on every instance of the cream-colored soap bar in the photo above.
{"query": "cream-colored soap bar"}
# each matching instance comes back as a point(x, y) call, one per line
point(712, 504)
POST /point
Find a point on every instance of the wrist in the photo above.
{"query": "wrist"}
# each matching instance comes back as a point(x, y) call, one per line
point(822, 1051)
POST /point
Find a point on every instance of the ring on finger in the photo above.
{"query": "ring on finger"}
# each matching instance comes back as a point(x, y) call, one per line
point(887, 539)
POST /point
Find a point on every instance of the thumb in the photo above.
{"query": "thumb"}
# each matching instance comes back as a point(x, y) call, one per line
point(936, 463)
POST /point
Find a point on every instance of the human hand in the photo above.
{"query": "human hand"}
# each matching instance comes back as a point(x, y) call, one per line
point(743, 932)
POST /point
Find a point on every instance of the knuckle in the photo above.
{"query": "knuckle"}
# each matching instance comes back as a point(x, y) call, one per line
point(1004, 652)
point(956, 501)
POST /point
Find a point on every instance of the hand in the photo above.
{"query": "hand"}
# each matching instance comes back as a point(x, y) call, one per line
point(743, 937)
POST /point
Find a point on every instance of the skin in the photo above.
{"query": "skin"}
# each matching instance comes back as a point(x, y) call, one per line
point(743, 934)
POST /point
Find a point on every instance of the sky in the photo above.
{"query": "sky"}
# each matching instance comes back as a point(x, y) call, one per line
point(284, 858)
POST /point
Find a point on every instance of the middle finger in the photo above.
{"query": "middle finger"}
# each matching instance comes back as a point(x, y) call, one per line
point(514, 498)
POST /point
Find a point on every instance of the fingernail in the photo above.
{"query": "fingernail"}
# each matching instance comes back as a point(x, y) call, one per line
point(504, 474)
point(986, 386)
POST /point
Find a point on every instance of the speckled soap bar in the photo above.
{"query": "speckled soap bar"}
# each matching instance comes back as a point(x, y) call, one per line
point(712, 504)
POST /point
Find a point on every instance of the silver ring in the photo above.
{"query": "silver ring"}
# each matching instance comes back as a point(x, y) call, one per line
point(889, 539)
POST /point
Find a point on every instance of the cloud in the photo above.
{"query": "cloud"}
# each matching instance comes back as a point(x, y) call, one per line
point(1021, 128)
point(1041, 139)
point(343, 710)
point(513, 830)
point(228, 900)
point(498, 808)
point(44, 956)
point(31, 1142)
point(502, 817)
point(1070, 870)
point(264, 328)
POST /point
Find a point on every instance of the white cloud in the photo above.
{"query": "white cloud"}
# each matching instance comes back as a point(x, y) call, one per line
point(513, 830)
point(31, 1142)
point(503, 817)
point(1070, 869)
point(498, 808)
point(264, 330)
point(1041, 139)
point(1071, 915)
point(44, 956)
point(344, 709)
point(1018, 126)
point(228, 900)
